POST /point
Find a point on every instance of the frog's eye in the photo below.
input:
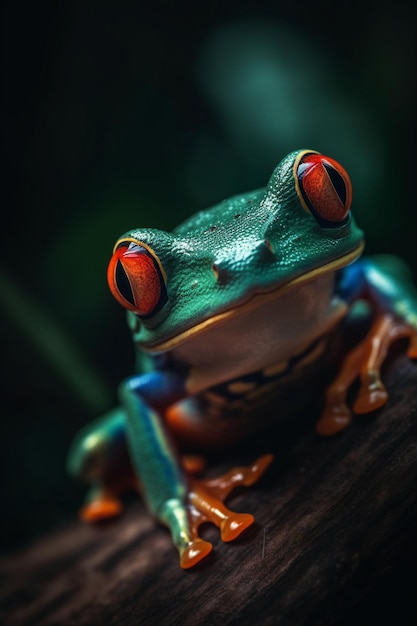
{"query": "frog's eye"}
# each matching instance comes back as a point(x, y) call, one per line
point(324, 188)
point(136, 279)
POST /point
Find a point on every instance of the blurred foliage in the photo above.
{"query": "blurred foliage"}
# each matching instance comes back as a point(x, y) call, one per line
point(137, 114)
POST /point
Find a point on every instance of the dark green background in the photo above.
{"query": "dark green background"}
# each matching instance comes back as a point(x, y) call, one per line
point(129, 114)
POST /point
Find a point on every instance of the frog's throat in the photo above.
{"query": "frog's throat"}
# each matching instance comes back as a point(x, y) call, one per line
point(255, 301)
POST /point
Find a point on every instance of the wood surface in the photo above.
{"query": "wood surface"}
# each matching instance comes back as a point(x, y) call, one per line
point(333, 542)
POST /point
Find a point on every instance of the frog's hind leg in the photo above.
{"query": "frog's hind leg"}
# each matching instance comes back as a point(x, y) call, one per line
point(365, 362)
point(386, 329)
point(99, 457)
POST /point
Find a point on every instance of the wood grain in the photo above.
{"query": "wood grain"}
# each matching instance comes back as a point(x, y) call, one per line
point(335, 521)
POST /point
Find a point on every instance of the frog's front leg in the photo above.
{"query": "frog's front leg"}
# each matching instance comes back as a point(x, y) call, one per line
point(385, 282)
point(175, 499)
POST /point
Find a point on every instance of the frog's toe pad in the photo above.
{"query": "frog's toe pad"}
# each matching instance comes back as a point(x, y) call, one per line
point(194, 552)
point(234, 525)
point(334, 418)
point(254, 472)
point(370, 399)
point(98, 510)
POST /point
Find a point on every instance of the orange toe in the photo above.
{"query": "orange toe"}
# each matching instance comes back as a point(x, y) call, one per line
point(194, 553)
point(234, 525)
point(369, 400)
point(100, 509)
point(333, 419)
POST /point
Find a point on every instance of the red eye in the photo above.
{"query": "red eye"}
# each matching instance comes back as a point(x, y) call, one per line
point(135, 279)
point(325, 189)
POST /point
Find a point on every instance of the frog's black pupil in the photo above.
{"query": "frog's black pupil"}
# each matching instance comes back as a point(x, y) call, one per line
point(123, 284)
point(337, 181)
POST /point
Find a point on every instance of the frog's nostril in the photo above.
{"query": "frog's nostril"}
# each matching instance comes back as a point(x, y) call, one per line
point(221, 271)
point(268, 245)
point(265, 250)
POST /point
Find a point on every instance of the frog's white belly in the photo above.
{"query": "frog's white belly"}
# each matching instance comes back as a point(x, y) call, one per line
point(262, 338)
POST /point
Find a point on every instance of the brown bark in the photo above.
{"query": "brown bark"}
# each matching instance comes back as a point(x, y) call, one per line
point(334, 536)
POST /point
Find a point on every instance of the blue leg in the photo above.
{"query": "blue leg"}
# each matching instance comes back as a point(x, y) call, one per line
point(385, 283)
point(177, 500)
point(383, 280)
point(155, 460)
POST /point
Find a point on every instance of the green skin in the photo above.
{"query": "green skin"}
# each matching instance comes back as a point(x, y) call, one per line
point(237, 247)
point(225, 268)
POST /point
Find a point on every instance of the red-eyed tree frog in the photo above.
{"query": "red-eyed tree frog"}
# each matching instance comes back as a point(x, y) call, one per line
point(231, 313)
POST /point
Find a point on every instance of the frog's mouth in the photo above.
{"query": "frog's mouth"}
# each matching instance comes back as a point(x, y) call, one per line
point(255, 301)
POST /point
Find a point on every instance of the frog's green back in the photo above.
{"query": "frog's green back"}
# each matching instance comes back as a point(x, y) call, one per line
point(224, 212)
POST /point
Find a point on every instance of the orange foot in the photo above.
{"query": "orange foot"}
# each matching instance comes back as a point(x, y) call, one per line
point(101, 508)
point(104, 502)
point(206, 504)
point(365, 362)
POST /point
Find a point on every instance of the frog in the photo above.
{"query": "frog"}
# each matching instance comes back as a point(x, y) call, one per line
point(231, 314)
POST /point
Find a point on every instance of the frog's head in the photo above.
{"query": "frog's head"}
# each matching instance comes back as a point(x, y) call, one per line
point(240, 253)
